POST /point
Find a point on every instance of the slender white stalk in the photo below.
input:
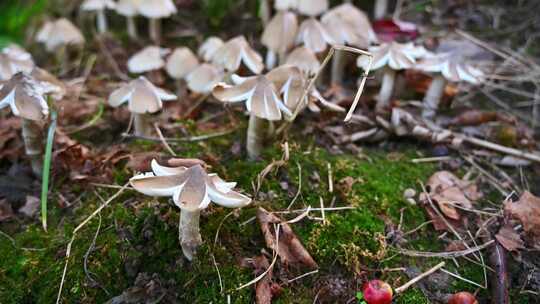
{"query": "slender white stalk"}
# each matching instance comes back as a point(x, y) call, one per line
point(270, 59)
point(101, 21)
point(381, 6)
point(142, 125)
point(189, 233)
point(155, 30)
point(131, 27)
point(255, 136)
point(181, 88)
point(32, 133)
point(433, 96)
point(387, 89)
point(338, 65)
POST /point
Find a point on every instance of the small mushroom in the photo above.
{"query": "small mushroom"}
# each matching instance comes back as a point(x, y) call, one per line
point(143, 98)
point(305, 59)
point(25, 96)
point(99, 7)
point(209, 47)
point(279, 36)
point(57, 36)
point(148, 59)
point(314, 35)
point(391, 57)
point(181, 63)
point(155, 10)
point(14, 59)
point(445, 67)
point(237, 51)
point(129, 9)
point(204, 78)
point(192, 189)
point(262, 102)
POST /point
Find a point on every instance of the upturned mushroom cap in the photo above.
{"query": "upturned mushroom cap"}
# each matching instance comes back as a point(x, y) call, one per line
point(452, 67)
point(305, 59)
point(203, 79)
point(157, 8)
point(261, 96)
point(395, 55)
point(312, 7)
point(234, 52)
point(14, 59)
point(128, 8)
point(280, 33)
point(58, 33)
point(96, 5)
point(209, 47)
point(349, 25)
point(24, 95)
point(314, 35)
point(283, 5)
point(148, 59)
point(142, 96)
point(50, 85)
point(181, 62)
point(191, 188)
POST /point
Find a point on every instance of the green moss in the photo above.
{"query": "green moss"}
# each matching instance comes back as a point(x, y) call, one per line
point(412, 296)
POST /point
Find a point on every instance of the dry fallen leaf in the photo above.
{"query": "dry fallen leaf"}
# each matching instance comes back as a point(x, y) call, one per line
point(509, 238)
point(527, 211)
point(265, 289)
point(6, 212)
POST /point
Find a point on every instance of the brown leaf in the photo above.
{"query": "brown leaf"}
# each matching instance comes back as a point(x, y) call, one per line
point(527, 211)
point(290, 249)
point(473, 118)
point(6, 212)
point(509, 238)
point(265, 289)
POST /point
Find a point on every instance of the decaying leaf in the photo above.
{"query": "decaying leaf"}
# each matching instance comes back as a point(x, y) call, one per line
point(509, 238)
point(6, 212)
point(265, 289)
point(527, 211)
point(290, 249)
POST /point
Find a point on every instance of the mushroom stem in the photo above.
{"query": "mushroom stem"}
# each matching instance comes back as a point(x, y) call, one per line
point(62, 57)
point(181, 88)
point(271, 59)
point(188, 232)
point(381, 6)
point(141, 123)
point(255, 136)
point(32, 133)
point(433, 96)
point(155, 30)
point(101, 21)
point(131, 27)
point(387, 88)
point(338, 65)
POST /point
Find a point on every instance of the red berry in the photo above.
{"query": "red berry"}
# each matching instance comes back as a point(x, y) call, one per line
point(463, 298)
point(377, 292)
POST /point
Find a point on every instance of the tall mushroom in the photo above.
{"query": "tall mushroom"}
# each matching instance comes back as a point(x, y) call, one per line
point(381, 6)
point(25, 96)
point(203, 79)
point(305, 60)
point(209, 47)
point(57, 36)
point(314, 35)
point(143, 98)
point(445, 67)
point(148, 59)
point(279, 36)
point(391, 57)
point(262, 102)
point(99, 7)
point(235, 52)
point(192, 189)
point(155, 10)
point(129, 9)
point(14, 59)
point(181, 63)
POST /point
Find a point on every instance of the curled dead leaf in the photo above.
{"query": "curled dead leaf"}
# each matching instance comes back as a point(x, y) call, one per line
point(527, 211)
point(509, 238)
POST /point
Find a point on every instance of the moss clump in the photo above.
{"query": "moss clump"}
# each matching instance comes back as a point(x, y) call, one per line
point(412, 296)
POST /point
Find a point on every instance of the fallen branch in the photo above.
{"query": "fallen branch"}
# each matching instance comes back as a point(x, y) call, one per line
point(406, 286)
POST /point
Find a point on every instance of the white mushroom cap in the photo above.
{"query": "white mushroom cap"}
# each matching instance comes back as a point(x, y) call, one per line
point(148, 59)
point(142, 96)
point(236, 51)
point(203, 79)
point(192, 188)
point(305, 59)
point(128, 8)
point(286, 4)
point(209, 47)
point(157, 8)
point(181, 62)
point(24, 95)
point(314, 35)
point(312, 7)
point(96, 5)
point(280, 33)
point(395, 55)
point(349, 25)
point(452, 67)
point(50, 85)
point(14, 59)
point(60, 32)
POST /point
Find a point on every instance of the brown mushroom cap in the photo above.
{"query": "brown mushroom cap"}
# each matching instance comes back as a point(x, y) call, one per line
point(395, 55)
point(148, 59)
point(24, 95)
point(209, 47)
point(181, 62)
point(452, 67)
point(58, 33)
point(203, 79)
point(14, 59)
point(142, 96)
point(236, 51)
point(305, 59)
point(157, 8)
point(280, 33)
point(314, 35)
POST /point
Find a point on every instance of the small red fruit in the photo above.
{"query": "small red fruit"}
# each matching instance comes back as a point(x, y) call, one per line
point(377, 292)
point(463, 298)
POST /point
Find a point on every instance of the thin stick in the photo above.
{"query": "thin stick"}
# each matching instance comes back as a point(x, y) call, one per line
point(462, 278)
point(322, 210)
point(445, 255)
point(163, 141)
point(496, 147)
point(405, 286)
point(330, 179)
point(299, 186)
point(184, 139)
point(430, 159)
point(303, 276)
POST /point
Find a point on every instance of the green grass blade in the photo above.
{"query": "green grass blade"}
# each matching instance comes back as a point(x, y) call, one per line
point(47, 169)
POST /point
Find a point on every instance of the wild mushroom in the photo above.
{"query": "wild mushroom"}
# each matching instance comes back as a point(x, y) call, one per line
point(156, 10)
point(305, 59)
point(391, 57)
point(14, 59)
point(262, 102)
point(99, 7)
point(192, 190)
point(148, 59)
point(143, 98)
point(314, 35)
point(347, 25)
point(235, 52)
point(445, 67)
point(25, 96)
point(181, 63)
point(129, 9)
point(381, 6)
point(57, 36)
point(279, 36)
point(209, 47)
point(204, 78)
